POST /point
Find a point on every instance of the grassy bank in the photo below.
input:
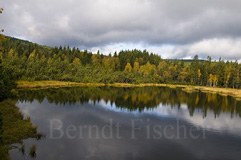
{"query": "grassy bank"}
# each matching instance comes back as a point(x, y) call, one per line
point(56, 84)
point(14, 128)
point(52, 84)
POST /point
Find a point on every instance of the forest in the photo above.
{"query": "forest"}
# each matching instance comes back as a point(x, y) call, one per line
point(33, 62)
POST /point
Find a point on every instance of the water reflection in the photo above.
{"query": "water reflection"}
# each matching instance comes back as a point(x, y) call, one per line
point(149, 107)
point(138, 99)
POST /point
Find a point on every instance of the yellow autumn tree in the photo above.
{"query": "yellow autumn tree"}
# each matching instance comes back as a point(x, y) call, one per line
point(210, 79)
point(128, 67)
point(215, 80)
point(162, 65)
point(2, 37)
point(76, 60)
point(32, 54)
point(227, 74)
point(136, 67)
point(11, 53)
point(49, 60)
point(183, 74)
point(173, 70)
point(199, 74)
point(147, 69)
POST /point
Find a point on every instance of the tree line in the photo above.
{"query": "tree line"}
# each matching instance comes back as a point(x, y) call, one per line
point(29, 61)
point(6, 80)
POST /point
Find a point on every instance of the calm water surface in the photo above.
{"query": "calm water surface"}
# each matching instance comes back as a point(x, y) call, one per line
point(131, 123)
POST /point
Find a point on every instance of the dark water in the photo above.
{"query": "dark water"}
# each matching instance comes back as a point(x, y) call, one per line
point(131, 123)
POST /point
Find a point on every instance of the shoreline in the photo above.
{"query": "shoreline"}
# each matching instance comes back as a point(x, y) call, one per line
point(236, 93)
point(15, 128)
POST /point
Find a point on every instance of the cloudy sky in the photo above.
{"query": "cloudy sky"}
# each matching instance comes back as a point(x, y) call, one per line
point(171, 28)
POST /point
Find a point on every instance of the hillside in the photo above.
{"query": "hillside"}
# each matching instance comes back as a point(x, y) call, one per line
point(30, 61)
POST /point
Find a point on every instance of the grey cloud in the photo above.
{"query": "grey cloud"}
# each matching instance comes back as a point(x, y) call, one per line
point(98, 23)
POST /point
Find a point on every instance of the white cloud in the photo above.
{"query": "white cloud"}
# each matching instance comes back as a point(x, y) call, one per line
point(228, 49)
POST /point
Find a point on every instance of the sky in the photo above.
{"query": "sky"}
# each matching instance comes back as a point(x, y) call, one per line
point(170, 28)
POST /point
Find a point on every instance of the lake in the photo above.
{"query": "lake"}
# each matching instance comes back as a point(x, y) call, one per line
point(131, 123)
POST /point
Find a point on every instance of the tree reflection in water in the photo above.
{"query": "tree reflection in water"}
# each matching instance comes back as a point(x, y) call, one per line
point(138, 99)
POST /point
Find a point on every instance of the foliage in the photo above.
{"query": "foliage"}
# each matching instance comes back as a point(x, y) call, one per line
point(6, 80)
point(31, 62)
point(14, 128)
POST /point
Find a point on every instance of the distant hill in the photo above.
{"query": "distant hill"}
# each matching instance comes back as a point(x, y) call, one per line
point(25, 44)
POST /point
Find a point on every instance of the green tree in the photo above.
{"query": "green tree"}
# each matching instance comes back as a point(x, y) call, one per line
point(96, 60)
point(2, 37)
point(6, 79)
point(195, 74)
